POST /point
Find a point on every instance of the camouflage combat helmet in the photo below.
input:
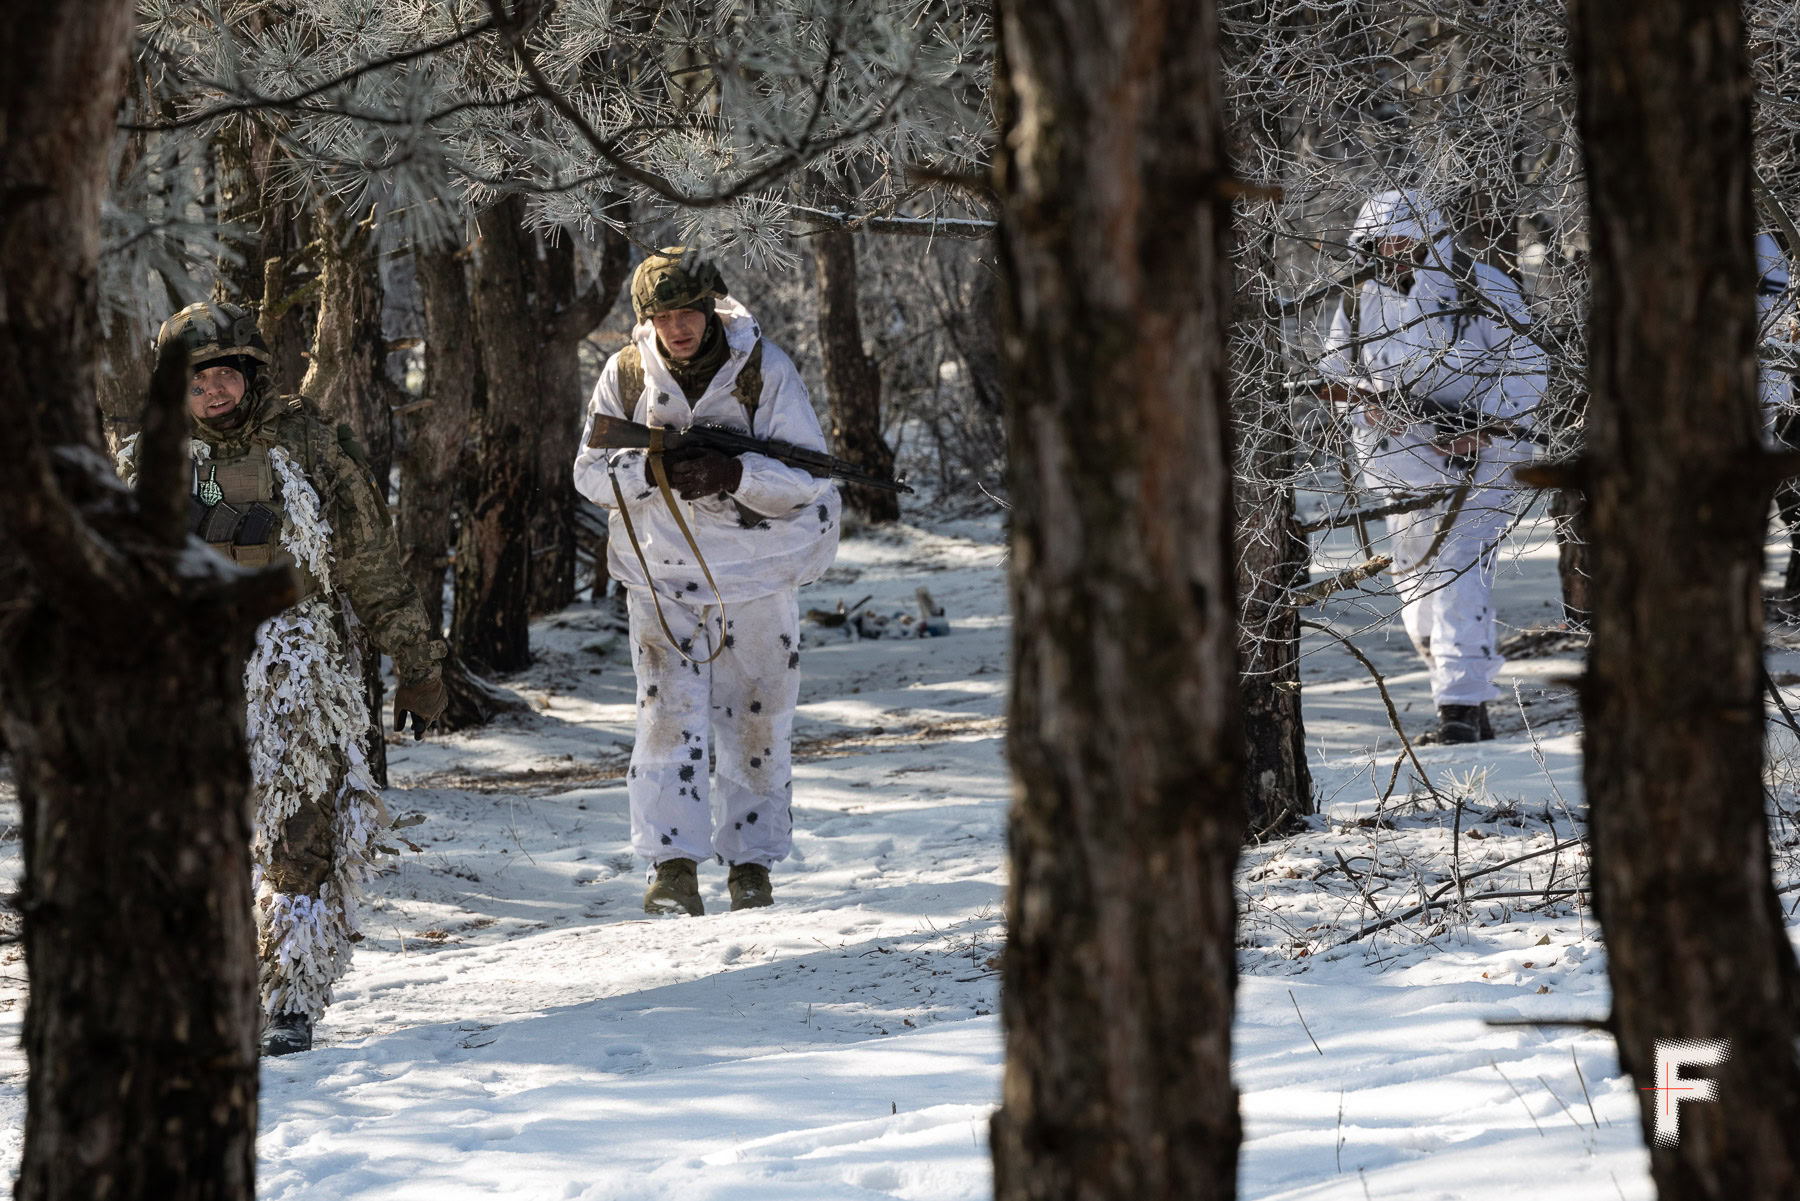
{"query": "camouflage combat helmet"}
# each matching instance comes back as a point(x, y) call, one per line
point(662, 283)
point(211, 330)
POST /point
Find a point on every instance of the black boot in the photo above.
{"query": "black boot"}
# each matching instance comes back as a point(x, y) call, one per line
point(1487, 727)
point(287, 1033)
point(1456, 724)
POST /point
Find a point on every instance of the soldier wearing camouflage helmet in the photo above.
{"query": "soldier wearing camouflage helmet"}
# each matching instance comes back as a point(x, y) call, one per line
point(274, 485)
point(715, 637)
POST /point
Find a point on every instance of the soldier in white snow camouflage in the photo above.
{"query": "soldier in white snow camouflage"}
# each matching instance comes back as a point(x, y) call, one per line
point(715, 636)
point(1436, 326)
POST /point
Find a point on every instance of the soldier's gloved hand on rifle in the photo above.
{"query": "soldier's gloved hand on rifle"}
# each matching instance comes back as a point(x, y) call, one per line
point(695, 472)
point(1462, 446)
point(424, 698)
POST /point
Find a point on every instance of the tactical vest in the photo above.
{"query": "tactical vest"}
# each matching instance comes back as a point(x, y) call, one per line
point(236, 508)
point(746, 388)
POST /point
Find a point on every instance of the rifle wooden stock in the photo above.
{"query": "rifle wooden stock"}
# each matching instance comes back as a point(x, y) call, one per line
point(616, 433)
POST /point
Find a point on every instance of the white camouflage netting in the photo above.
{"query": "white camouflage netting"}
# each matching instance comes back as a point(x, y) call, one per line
point(305, 722)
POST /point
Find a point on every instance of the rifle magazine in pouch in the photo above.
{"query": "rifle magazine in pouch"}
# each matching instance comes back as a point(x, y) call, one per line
point(218, 525)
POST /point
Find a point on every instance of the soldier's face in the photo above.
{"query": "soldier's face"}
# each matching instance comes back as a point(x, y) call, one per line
point(680, 331)
point(215, 392)
point(1399, 255)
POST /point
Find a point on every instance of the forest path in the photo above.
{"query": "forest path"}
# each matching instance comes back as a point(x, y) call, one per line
point(514, 1026)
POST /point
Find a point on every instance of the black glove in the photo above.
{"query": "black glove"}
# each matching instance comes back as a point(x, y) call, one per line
point(424, 698)
point(707, 473)
point(680, 454)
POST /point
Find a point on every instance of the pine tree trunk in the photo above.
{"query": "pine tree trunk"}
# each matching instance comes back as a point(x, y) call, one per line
point(1272, 559)
point(491, 626)
point(852, 381)
point(125, 360)
point(1574, 549)
point(121, 678)
point(1124, 734)
point(567, 315)
point(1672, 705)
point(125, 354)
point(349, 377)
point(557, 431)
point(436, 432)
point(349, 380)
point(436, 426)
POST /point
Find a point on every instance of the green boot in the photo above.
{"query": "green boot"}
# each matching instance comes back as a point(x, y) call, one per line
point(676, 889)
point(750, 887)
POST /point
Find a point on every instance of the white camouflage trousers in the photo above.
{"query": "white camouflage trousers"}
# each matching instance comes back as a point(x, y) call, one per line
point(1447, 596)
point(742, 704)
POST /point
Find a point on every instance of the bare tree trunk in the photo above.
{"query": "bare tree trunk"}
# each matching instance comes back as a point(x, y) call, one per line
point(436, 426)
point(1125, 740)
point(125, 359)
point(349, 380)
point(1672, 708)
point(436, 430)
point(274, 275)
point(1574, 551)
point(125, 351)
point(558, 429)
point(491, 626)
point(852, 381)
point(1272, 559)
point(566, 316)
point(290, 295)
point(349, 377)
point(121, 678)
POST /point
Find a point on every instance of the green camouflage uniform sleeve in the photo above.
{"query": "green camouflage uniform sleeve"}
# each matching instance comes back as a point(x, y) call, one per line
point(368, 561)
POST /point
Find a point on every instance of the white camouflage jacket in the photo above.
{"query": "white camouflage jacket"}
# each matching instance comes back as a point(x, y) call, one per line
point(1414, 339)
point(794, 536)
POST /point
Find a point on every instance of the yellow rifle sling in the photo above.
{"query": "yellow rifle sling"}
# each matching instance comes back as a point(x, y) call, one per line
point(662, 484)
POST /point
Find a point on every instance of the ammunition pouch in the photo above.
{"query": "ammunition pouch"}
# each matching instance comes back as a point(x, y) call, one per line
point(225, 524)
point(248, 535)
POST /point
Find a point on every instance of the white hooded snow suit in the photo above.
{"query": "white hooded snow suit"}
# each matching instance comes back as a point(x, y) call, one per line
point(1774, 310)
point(759, 560)
point(1465, 347)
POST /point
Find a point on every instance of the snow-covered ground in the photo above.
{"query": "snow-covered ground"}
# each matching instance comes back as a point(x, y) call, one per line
point(515, 1026)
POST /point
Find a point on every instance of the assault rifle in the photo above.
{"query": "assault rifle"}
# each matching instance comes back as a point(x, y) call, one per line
point(616, 433)
point(1452, 421)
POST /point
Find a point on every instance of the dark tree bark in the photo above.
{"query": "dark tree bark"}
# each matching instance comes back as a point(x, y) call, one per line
point(125, 351)
point(436, 426)
point(125, 361)
point(567, 314)
point(852, 381)
point(560, 405)
point(349, 377)
point(349, 381)
point(516, 549)
point(274, 275)
point(1696, 946)
point(1565, 407)
point(436, 431)
point(141, 1025)
point(490, 629)
point(1574, 550)
point(1124, 733)
point(1272, 559)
